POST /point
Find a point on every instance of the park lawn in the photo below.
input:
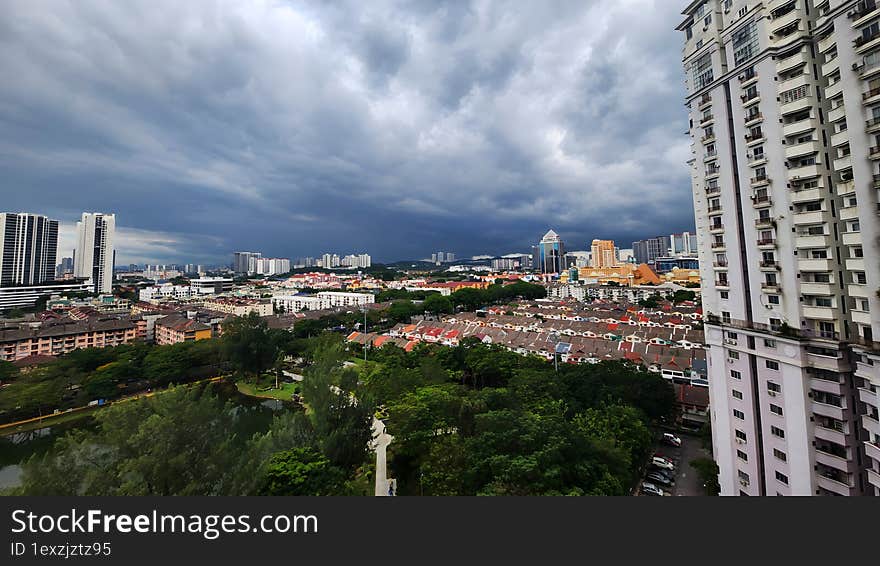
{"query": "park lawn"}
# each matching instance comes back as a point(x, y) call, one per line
point(283, 394)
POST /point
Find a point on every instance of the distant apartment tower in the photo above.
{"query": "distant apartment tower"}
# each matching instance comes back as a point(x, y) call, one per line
point(784, 101)
point(683, 244)
point(95, 234)
point(646, 251)
point(549, 254)
point(28, 249)
point(244, 263)
point(65, 268)
point(603, 254)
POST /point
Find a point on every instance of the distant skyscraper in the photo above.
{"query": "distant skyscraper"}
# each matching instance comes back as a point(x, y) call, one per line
point(646, 251)
point(28, 249)
point(245, 262)
point(550, 252)
point(94, 250)
point(604, 254)
point(65, 267)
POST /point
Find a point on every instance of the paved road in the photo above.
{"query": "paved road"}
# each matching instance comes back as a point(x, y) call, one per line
point(381, 440)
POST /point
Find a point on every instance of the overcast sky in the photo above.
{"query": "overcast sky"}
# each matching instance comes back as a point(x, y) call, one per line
point(387, 126)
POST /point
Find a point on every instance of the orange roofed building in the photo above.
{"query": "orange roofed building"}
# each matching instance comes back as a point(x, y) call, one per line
point(626, 275)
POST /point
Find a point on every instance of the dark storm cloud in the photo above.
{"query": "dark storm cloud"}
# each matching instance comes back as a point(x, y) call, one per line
point(395, 127)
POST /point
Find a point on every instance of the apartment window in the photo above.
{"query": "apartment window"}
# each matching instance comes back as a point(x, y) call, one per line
point(774, 387)
point(860, 278)
point(739, 414)
point(777, 432)
point(737, 394)
point(725, 295)
point(794, 94)
point(740, 435)
point(780, 455)
point(742, 455)
point(701, 71)
point(771, 364)
point(743, 477)
point(776, 409)
point(733, 355)
point(768, 343)
point(773, 299)
point(782, 478)
point(735, 374)
point(745, 43)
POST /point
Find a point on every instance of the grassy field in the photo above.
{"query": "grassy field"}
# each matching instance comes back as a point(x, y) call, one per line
point(283, 394)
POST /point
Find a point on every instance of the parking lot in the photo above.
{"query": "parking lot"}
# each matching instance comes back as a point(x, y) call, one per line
point(687, 482)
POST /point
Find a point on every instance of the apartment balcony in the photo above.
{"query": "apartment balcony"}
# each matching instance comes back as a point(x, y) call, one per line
point(707, 139)
point(871, 425)
point(713, 210)
point(765, 222)
point(722, 284)
point(799, 59)
point(716, 228)
point(849, 213)
point(815, 265)
point(834, 461)
point(759, 181)
point(827, 43)
point(864, 44)
point(805, 195)
point(872, 451)
point(757, 160)
point(711, 156)
point(869, 397)
point(825, 410)
point(799, 150)
point(799, 127)
point(843, 163)
point(870, 96)
point(754, 139)
point(860, 291)
point(749, 100)
point(829, 434)
point(766, 243)
point(855, 264)
point(819, 313)
point(834, 90)
point(769, 266)
point(874, 152)
point(851, 238)
point(774, 288)
point(707, 121)
point(830, 67)
point(861, 317)
point(846, 187)
point(862, 13)
point(840, 138)
point(812, 217)
point(803, 172)
point(719, 265)
point(874, 478)
point(753, 119)
point(837, 114)
point(835, 485)
point(710, 191)
point(875, 181)
point(798, 80)
point(822, 289)
point(718, 246)
point(748, 77)
point(796, 106)
point(781, 27)
point(705, 102)
point(712, 173)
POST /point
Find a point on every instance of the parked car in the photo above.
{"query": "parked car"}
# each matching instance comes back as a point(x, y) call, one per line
point(652, 490)
point(662, 463)
point(659, 478)
point(671, 439)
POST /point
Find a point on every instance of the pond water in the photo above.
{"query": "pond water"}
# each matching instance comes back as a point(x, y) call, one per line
point(256, 416)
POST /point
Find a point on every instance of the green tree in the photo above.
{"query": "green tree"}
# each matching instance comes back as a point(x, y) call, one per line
point(708, 471)
point(469, 299)
point(8, 371)
point(249, 346)
point(437, 304)
point(303, 471)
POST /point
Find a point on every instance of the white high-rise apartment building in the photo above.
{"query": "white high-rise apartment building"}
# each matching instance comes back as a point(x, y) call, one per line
point(784, 100)
point(94, 250)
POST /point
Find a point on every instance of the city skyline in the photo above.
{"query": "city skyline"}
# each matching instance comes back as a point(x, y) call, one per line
point(405, 120)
